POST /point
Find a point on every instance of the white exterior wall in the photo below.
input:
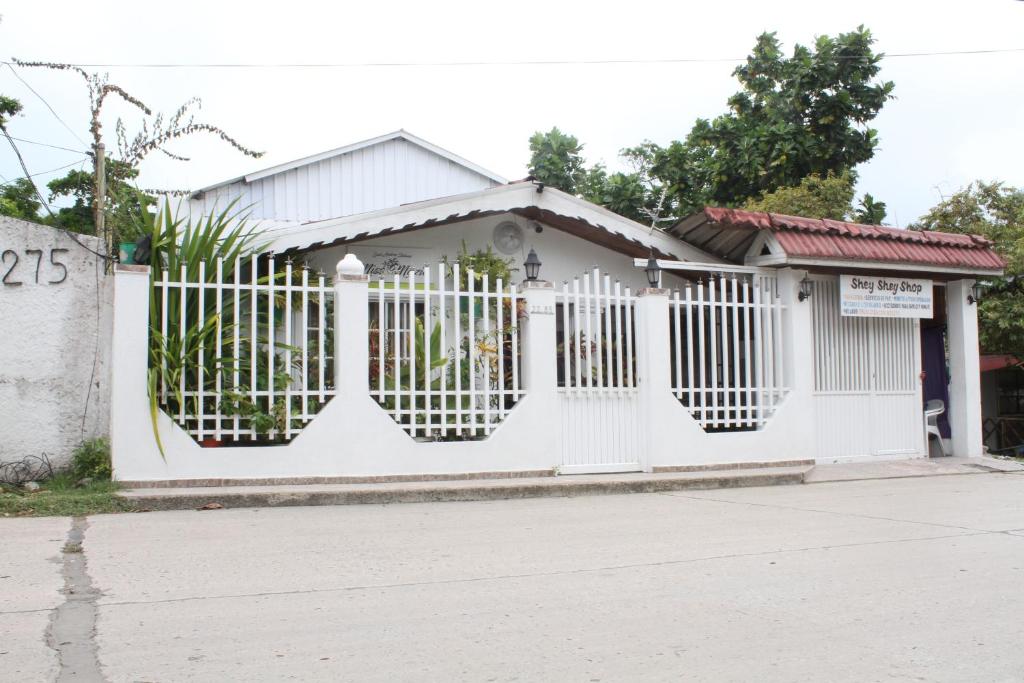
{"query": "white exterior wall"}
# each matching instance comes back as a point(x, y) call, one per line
point(379, 176)
point(51, 335)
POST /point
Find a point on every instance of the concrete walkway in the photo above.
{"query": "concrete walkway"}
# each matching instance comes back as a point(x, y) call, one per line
point(885, 579)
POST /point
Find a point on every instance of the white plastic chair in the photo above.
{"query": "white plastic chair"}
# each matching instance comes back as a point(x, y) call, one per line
point(932, 410)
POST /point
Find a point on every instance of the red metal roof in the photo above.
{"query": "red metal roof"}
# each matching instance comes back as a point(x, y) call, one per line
point(997, 362)
point(822, 238)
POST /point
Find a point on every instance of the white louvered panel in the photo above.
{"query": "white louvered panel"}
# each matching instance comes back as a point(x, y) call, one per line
point(867, 392)
point(841, 425)
point(385, 175)
point(601, 432)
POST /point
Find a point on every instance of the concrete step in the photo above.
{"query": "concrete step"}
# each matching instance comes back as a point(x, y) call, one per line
point(186, 498)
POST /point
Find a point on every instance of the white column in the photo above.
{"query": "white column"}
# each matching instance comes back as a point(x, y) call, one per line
point(129, 369)
point(798, 360)
point(351, 322)
point(964, 372)
point(654, 373)
point(540, 362)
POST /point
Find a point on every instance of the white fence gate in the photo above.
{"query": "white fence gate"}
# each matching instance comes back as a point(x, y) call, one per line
point(597, 376)
point(867, 389)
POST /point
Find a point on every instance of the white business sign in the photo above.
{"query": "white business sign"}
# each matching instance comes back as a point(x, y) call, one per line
point(885, 297)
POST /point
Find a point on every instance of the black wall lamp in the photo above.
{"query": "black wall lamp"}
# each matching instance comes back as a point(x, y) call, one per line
point(653, 271)
point(976, 290)
point(532, 266)
point(806, 289)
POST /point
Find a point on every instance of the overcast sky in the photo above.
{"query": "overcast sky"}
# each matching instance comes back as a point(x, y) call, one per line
point(954, 119)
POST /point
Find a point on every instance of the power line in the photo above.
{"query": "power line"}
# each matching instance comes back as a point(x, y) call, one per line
point(43, 100)
point(46, 144)
point(21, 160)
point(539, 62)
point(52, 170)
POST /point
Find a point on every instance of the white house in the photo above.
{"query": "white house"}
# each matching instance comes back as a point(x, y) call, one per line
point(756, 339)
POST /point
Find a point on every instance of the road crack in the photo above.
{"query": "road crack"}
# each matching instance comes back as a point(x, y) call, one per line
point(72, 630)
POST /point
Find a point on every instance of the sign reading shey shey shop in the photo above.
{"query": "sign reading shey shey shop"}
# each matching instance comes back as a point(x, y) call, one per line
point(885, 297)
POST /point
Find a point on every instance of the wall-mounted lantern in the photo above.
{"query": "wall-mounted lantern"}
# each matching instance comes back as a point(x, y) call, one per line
point(806, 289)
point(653, 271)
point(532, 265)
point(976, 291)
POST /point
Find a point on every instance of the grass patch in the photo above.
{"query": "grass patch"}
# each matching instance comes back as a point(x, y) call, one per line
point(59, 497)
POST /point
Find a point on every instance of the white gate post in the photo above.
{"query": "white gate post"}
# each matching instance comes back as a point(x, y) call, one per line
point(351, 329)
point(798, 359)
point(538, 345)
point(653, 373)
point(964, 370)
point(130, 430)
point(540, 361)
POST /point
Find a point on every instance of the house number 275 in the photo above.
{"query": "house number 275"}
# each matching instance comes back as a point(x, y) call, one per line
point(10, 261)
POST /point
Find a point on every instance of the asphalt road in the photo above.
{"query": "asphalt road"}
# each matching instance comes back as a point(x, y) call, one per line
point(912, 579)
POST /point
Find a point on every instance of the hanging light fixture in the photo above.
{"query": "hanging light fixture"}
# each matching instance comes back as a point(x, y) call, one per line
point(532, 265)
point(653, 271)
point(976, 290)
point(805, 289)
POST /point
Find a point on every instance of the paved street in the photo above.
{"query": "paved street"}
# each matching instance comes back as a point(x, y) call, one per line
point(871, 580)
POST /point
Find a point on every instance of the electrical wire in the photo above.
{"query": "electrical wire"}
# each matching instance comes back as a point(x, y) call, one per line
point(52, 170)
point(43, 100)
point(46, 144)
point(71, 234)
point(538, 62)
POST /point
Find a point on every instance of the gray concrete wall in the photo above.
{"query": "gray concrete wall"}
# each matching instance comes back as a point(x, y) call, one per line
point(55, 323)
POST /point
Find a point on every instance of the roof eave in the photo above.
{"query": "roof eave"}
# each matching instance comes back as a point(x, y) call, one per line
point(902, 266)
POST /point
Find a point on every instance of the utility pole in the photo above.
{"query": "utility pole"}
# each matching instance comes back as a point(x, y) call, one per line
point(99, 200)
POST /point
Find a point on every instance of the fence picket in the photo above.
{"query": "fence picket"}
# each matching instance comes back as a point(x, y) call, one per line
point(222, 388)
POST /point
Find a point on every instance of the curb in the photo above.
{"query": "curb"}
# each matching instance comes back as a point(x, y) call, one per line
point(346, 494)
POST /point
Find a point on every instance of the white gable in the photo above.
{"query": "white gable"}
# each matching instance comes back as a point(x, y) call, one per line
point(376, 174)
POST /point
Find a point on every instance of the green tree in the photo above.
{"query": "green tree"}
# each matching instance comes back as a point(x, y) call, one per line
point(124, 206)
point(796, 117)
point(994, 211)
point(815, 197)
point(555, 160)
point(18, 199)
point(870, 211)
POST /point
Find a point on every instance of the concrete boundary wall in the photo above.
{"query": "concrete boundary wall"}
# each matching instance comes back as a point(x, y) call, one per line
point(55, 322)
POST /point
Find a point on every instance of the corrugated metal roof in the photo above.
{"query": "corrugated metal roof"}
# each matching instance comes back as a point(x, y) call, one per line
point(818, 238)
point(553, 207)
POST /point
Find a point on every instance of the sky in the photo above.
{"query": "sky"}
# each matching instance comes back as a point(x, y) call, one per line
point(955, 119)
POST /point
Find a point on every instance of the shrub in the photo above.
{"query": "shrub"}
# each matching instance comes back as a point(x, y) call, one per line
point(92, 460)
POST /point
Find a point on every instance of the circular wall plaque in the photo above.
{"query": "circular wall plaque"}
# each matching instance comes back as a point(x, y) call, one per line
point(508, 238)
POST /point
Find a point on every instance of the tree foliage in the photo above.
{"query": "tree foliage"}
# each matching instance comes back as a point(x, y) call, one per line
point(994, 211)
point(556, 160)
point(795, 117)
point(870, 211)
point(18, 199)
point(815, 197)
point(796, 120)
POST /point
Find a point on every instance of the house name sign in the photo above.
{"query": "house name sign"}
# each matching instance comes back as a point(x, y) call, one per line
point(885, 297)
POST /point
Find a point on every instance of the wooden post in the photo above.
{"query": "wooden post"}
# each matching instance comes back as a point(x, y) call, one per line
point(99, 200)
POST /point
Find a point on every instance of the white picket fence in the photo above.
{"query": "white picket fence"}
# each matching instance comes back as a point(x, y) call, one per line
point(727, 361)
point(445, 354)
point(597, 338)
point(255, 342)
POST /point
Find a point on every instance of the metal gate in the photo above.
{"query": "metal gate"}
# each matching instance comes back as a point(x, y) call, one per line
point(867, 389)
point(598, 397)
